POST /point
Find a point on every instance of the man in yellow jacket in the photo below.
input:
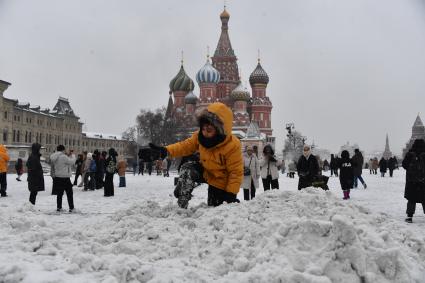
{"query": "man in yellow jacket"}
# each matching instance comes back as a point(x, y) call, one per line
point(4, 160)
point(220, 158)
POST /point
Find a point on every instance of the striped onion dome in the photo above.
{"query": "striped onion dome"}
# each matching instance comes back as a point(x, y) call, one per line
point(208, 74)
point(190, 98)
point(240, 93)
point(258, 76)
point(181, 82)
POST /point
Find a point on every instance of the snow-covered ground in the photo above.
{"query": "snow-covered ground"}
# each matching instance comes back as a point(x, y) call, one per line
point(141, 235)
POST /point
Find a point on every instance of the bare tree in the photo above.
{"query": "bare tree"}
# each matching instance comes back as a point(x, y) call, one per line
point(155, 127)
point(131, 135)
point(293, 147)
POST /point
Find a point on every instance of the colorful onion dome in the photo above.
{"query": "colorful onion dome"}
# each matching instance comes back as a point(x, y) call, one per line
point(240, 93)
point(181, 82)
point(208, 74)
point(190, 98)
point(258, 76)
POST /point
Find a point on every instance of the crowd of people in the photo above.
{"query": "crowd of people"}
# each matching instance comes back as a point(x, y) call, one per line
point(214, 156)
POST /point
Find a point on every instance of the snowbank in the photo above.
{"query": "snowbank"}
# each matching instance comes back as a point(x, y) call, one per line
point(281, 236)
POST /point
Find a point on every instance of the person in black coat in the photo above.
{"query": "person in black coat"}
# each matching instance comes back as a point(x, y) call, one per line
point(414, 164)
point(346, 173)
point(383, 166)
point(334, 165)
point(35, 172)
point(358, 168)
point(111, 168)
point(79, 164)
point(392, 163)
point(307, 168)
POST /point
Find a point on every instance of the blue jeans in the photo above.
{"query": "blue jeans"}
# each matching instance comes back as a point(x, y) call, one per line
point(122, 181)
point(355, 180)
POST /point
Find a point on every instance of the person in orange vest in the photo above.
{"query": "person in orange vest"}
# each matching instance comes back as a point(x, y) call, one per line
point(220, 158)
point(4, 160)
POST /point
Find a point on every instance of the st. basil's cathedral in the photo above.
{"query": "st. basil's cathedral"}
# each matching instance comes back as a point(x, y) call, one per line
point(219, 81)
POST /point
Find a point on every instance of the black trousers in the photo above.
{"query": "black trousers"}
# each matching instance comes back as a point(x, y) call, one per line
point(270, 182)
point(246, 192)
point(3, 183)
point(77, 174)
point(109, 185)
point(33, 196)
point(64, 185)
point(193, 170)
point(391, 172)
point(411, 207)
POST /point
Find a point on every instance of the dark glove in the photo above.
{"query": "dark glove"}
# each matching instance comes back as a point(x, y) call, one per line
point(229, 198)
point(162, 150)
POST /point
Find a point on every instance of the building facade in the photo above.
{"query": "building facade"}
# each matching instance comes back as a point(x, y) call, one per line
point(219, 81)
point(23, 124)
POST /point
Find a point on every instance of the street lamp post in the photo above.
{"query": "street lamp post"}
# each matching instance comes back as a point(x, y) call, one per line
point(289, 127)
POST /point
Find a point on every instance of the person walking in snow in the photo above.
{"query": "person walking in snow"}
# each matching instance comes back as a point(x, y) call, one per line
point(269, 169)
point(165, 167)
point(158, 166)
point(111, 168)
point(90, 169)
point(375, 165)
point(370, 165)
point(392, 162)
point(78, 168)
point(63, 162)
point(334, 165)
point(221, 162)
point(35, 172)
point(414, 164)
point(292, 168)
point(19, 167)
point(383, 166)
point(346, 173)
point(307, 168)
point(358, 168)
point(83, 169)
point(4, 160)
point(121, 167)
point(251, 174)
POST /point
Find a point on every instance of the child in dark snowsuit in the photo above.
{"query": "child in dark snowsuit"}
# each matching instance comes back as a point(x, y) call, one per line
point(346, 175)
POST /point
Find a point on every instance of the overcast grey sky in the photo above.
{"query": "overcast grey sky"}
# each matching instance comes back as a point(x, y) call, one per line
point(341, 70)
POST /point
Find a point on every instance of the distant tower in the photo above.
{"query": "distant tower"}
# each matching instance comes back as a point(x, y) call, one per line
point(261, 107)
point(180, 86)
point(207, 78)
point(418, 132)
point(387, 152)
point(224, 60)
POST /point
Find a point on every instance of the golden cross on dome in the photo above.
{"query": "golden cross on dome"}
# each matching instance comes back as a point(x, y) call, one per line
point(182, 60)
point(258, 56)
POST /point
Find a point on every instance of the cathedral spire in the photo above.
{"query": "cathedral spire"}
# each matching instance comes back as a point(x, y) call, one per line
point(387, 152)
point(224, 47)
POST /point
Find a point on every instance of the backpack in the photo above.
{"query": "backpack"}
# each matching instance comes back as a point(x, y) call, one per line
point(93, 166)
point(111, 167)
point(416, 170)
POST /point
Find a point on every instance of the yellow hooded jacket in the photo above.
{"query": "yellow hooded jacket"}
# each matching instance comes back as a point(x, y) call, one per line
point(4, 159)
point(223, 163)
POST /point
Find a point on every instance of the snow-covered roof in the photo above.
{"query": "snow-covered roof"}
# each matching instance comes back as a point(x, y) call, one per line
point(104, 136)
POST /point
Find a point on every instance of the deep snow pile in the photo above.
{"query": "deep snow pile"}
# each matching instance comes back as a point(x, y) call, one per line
point(281, 236)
